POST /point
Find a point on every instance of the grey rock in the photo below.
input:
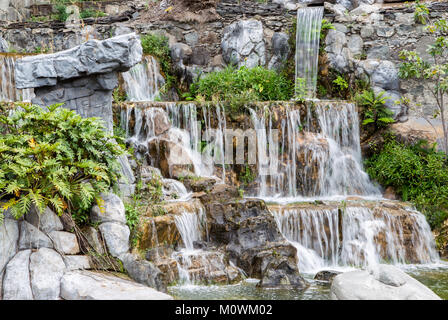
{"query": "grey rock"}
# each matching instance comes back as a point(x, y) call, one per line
point(112, 210)
point(340, 27)
point(387, 283)
point(33, 238)
point(326, 275)
point(128, 175)
point(379, 52)
point(363, 10)
point(347, 4)
point(335, 41)
point(355, 44)
point(65, 242)
point(180, 52)
point(114, 54)
point(16, 282)
point(47, 221)
point(367, 31)
point(243, 44)
point(77, 262)
point(385, 31)
point(280, 48)
point(143, 272)
point(87, 285)
point(385, 76)
point(9, 236)
point(46, 270)
point(116, 237)
point(82, 77)
point(192, 38)
point(93, 237)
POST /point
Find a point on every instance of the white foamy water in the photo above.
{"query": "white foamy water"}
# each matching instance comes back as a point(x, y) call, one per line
point(143, 81)
point(358, 237)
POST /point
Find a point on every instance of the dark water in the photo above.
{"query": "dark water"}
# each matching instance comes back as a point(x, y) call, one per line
point(247, 290)
point(436, 279)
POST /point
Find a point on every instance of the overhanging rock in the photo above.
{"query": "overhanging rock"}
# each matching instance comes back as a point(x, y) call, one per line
point(82, 77)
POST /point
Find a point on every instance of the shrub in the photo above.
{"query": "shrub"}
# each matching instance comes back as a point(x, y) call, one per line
point(239, 86)
point(418, 173)
point(55, 158)
point(374, 110)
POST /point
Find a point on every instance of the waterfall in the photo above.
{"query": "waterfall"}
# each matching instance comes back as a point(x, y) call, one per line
point(189, 226)
point(362, 237)
point(186, 117)
point(143, 81)
point(8, 91)
point(309, 22)
point(322, 164)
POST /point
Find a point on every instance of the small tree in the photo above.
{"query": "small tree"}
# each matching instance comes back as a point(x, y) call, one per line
point(433, 73)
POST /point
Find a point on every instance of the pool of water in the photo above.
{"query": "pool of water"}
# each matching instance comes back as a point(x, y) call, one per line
point(436, 278)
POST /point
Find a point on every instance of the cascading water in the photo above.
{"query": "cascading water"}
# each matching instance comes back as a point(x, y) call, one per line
point(326, 164)
point(143, 81)
point(8, 91)
point(195, 265)
point(360, 237)
point(309, 22)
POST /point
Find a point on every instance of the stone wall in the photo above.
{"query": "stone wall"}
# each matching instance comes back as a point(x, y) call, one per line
point(367, 42)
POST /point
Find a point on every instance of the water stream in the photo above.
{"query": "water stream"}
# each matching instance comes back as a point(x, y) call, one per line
point(309, 22)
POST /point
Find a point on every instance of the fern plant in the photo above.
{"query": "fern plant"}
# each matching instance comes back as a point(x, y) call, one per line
point(54, 157)
point(374, 109)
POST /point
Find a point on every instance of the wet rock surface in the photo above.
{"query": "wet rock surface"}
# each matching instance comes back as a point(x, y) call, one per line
point(389, 283)
point(252, 239)
point(326, 275)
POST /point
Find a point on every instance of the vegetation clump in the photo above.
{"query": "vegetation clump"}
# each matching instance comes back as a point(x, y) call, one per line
point(239, 86)
point(54, 157)
point(418, 173)
point(374, 110)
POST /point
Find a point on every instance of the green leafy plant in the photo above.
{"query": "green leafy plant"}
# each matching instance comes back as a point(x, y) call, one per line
point(421, 12)
point(89, 13)
point(374, 110)
point(418, 173)
point(53, 157)
point(326, 25)
point(341, 83)
point(238, 86)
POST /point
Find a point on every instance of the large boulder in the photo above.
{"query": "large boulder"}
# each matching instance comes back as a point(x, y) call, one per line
point(143, 272)
point(33, 238)
point(65, 242)
point(90, 58)
point(111, 209)
point(87, 285)
point(46, 270)
point(116, 237)
point(252, 239)
point(9, 236)
point(16, 283)
point(243, 44)
point(280, 50)
point(47, 221)
point(386, 283)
